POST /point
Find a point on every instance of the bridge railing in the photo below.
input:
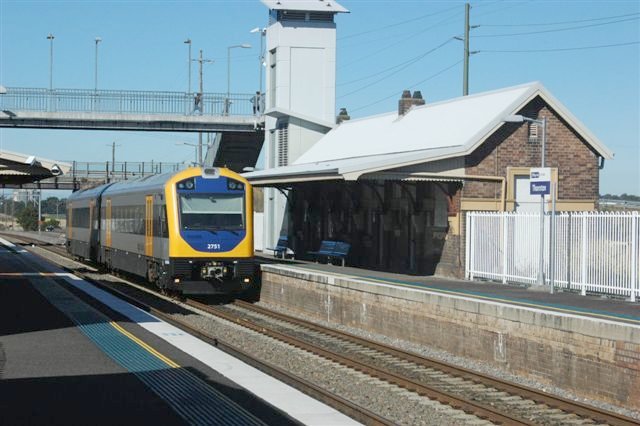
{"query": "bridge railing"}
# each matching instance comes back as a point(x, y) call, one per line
point(125, 102)
point(107, 171)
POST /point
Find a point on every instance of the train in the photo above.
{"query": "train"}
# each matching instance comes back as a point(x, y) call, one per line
point(187, 232)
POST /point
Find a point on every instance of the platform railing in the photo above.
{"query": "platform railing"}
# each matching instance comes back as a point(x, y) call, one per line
point(594, 252)
point(126, 102)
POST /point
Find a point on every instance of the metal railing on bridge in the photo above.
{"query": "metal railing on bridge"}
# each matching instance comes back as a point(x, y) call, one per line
point(109, 172)
point(126, 102)
point(90, 174)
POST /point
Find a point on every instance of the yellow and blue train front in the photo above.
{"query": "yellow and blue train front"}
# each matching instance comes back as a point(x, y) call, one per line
point(210, 231)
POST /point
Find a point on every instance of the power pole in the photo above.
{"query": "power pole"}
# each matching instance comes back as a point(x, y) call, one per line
point(467, 52)
point(465, 78)
point(113, 159)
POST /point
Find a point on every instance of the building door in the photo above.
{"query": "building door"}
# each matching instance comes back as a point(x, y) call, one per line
point(524, 201)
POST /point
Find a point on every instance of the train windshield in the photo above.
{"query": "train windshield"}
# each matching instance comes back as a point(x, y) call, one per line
point(212, 211)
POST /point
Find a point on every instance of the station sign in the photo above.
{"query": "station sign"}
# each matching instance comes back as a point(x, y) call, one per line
point(540, 181)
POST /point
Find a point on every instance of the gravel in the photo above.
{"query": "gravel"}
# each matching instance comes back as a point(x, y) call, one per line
point(389, 401)
point(470, 364)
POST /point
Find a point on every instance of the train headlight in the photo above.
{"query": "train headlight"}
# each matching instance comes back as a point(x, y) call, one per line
point(188, 184)
point(234, 185)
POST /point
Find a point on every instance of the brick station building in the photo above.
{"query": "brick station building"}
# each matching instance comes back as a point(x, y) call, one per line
point(396, 185)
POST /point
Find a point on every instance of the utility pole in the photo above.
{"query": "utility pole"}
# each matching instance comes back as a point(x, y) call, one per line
point(50, 37)
point(98, 40)
point(201, 102)
point(113, 159)
point(188, 41)
point(465, 83)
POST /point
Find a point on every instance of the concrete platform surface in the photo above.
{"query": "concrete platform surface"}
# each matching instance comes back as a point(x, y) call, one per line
point(71, 353)
point(560, 301)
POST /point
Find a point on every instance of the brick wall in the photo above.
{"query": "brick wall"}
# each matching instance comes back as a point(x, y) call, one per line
point(594, 359)
point(575, 160)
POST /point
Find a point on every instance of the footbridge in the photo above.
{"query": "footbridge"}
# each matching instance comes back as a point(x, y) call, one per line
point(128, 110)
point(89, 174)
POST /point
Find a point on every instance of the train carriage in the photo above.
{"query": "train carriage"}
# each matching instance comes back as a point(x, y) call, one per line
point(190, 231)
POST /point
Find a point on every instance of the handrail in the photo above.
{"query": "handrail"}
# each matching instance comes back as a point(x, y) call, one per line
point(126, 102)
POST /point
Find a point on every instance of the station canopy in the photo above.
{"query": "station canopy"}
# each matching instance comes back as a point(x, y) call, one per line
point(17, 168)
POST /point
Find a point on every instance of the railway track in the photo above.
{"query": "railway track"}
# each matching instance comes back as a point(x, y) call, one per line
point(478, 395)
point(483, 396)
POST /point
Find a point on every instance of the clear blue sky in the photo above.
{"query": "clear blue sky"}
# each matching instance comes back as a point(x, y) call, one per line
point(382, 49)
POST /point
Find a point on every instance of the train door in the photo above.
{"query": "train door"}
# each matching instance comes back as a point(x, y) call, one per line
point(69, 221)
point(107, 227)
point(148, 222)
point(93, 231)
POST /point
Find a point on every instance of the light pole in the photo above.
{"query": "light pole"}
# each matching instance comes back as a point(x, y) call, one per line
point(50, 37)
point(198, 156)
point(98, 40)
point(263, 32)
point(543, 123)
point(188, 41)
point(228, 99)
point(199, 101)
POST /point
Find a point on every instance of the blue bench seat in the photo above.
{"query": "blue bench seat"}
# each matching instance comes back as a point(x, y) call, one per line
point(282, 249)
point(331, 250)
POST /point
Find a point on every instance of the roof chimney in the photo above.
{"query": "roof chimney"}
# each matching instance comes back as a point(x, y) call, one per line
point(343, 115)
point(417, 98)
point(405, 102)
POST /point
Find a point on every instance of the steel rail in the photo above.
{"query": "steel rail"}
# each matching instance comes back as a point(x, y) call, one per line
point(480, 410)
point(537, 396)
point(341, 404)
point(569, 406)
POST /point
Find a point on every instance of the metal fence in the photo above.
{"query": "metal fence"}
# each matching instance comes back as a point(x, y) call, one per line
point(120, 170)
point(125, 102)
point(593, 252)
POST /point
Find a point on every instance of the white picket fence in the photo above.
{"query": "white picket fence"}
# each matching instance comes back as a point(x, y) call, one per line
point(596, 252)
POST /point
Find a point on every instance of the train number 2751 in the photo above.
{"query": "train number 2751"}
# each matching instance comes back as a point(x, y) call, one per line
point(213, 246)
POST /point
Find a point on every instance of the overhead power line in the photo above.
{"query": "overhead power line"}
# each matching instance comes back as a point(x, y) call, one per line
point(410, 36)
point(405, 63)
point(418, 18)
point(557, 29)
point(405, 66)
point(564, 49)
point(410, 87)
point(542, 24)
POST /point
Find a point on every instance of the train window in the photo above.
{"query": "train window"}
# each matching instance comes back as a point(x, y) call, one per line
point(212, 211)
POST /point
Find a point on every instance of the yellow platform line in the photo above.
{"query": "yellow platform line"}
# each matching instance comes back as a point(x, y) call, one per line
point(146, 347)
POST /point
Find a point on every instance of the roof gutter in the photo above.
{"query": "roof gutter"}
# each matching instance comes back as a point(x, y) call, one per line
point(501, 179)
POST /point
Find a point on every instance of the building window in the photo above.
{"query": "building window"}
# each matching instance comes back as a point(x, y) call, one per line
point(291, 15)
point(283, 144)
point(320, 17)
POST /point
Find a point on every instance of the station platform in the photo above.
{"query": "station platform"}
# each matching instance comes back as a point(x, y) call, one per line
point(586, 345)
point(540, 298)
point(71, 353)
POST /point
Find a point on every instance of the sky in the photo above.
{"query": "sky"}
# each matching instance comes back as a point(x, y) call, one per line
point(586, 53)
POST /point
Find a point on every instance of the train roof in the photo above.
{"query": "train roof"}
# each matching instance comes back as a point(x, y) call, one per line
point(149, 183)
point(143, 183)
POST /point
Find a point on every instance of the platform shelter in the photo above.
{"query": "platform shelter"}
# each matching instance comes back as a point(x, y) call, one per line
point(396, 186)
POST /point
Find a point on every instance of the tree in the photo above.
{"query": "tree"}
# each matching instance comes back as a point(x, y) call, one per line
point(51, 222)
point(28, 218)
